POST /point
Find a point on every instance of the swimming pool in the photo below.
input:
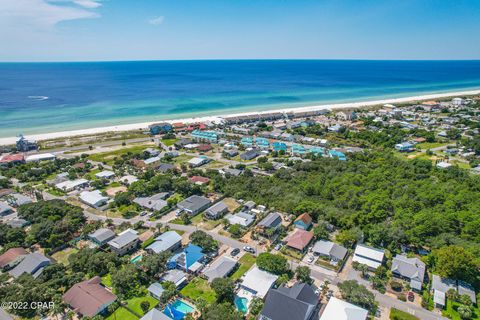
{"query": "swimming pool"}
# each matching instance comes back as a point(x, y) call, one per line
point(242, 304)
point(177, 310)
point(136, 259)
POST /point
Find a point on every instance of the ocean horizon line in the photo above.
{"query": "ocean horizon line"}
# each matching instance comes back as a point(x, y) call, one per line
point(235, 59)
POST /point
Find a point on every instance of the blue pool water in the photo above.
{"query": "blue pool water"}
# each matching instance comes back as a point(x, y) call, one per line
point(48, 97)
point(136, 259)
point(177, 310)
point(241, 304)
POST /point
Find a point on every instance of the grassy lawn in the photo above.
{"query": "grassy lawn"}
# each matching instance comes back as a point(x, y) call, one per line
point(107, 280)
point(199, 288)
point(207, 224)
point(292, 253)
point(122, 313)
point(430, 145)
point(450, 311)
point(215, 164)
point(134, 303)
point(231, 203)
point(396, 314)
point(246, 262)
point(169, 142)
point(108, 157)
point(62, 256)
point(182, 158)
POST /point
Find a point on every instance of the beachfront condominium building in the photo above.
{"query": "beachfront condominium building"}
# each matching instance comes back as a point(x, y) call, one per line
point(209, 136)
point(159, 128)
point(24, 145)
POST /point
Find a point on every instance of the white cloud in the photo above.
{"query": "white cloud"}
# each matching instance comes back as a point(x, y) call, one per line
point(43, 14)
point(156, 21)
point(90, 4)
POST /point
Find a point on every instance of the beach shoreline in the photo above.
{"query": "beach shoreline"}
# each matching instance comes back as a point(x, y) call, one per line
point(144, 125)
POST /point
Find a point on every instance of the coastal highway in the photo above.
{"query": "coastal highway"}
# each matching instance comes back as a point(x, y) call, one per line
point(316, 273)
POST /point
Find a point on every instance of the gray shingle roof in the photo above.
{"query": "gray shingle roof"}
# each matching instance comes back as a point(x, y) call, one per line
point(32, 264)
point(220, 268)
point(124, 238)
point(296, 303)
point(165, 242)
point(101, 235)
point(194, 203)
point(411, 268)
point(272, 220)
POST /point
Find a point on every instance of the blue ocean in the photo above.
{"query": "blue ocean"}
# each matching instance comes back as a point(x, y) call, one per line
point(48, 97)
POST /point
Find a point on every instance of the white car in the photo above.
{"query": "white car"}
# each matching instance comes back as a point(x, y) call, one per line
point(310, 259)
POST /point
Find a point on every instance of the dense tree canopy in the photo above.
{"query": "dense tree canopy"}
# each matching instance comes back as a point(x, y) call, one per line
point(53, 222)
point(205, 241)
point(357, 294)
point(394, 202)
point(273, 263)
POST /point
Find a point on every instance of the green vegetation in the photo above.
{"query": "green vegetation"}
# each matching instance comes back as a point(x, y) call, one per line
point(455, 310)
point(62, 256)
point(122, 313)
point(273, 263)
point(134, 304)
point(199, 288)
point(246, 262)
point(396, 314)
point(391, 202)
point(203, 240)
point(357, 294)
point(109, 157)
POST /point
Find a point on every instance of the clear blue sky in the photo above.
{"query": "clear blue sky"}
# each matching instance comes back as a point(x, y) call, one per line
point(63, 30)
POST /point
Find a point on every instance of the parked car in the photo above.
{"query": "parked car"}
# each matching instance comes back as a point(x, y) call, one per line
point(310, 259)
point(235, 252)
point(411, 296)
point(249, 249)
point(278, 246)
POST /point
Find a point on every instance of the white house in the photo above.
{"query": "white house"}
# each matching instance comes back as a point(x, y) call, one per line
point(341, 310)
point(372, 257)
point(256, 283)
point(94, 198)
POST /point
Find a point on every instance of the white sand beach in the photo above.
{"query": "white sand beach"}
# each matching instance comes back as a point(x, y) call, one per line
point(144, 125)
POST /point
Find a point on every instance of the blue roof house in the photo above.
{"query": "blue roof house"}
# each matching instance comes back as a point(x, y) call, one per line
point(247, 141)
point(262, 143)
point(318, 151)
point(190, 259)
point(158, 128)
point(298, 149)
point(337, 154)
point(209, 136)
point(279, 146)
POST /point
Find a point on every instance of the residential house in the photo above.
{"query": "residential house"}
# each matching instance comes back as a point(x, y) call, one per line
point(216, 211)
point(152, 152)
point(296, 303)
point(25, 145)
point(155, 314)
point(105, 174)
point(232, 172)
point(128, 179)
point(334, 252)
point(14, 158)
point(40, 157)
point(89, 298)
point(347, 115)
point(241, 218)
point(189, 260)
point(101, 236)
point(341, 310)
point(178, 277)
point(303, 221)
point(335, 128)
point(93, 198)
point(250, 154)
point(17, 223)
point(17, 199)
point(32, 263)
point(126, 241)
point(153, 203)
point(337, 155)
point(167, 241)
point(372, 257)
point(194, 204)
point(165, 167)
point(204, 148)
point(440, 287)
point(198, 161)
point(12, 257)
point(209, 136)
point(156, 290)
point(256, 283)
point(404, 147)
point(199, 180)
point(272, 222)
point(159, 128)
point(71, 185)
point(5, 209)
point(220, 268)
point(279, 146)
point(153, 162)
point(299, 239)
point(412, 269)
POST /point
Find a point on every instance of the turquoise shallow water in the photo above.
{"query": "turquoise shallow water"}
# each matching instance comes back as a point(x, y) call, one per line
point(48, 97)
